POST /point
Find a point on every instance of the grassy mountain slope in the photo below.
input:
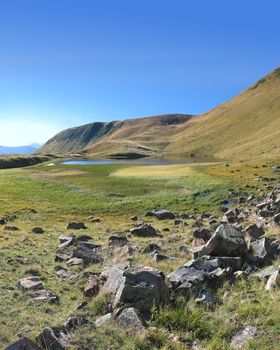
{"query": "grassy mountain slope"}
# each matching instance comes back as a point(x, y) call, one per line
point(142, 136)
point(248, 126)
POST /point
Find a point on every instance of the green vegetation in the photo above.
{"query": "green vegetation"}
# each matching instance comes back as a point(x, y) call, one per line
point(52, 196)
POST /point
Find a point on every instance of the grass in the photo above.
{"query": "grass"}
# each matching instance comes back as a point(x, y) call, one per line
point(52, 196)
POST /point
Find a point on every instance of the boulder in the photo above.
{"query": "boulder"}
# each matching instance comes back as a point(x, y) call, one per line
point(92, 287)
point(74, 322)
point(87, 255)
point(144, 230)
point(150, 248)
point(141, 287)
point(161, 214)
point(30, 284)
point(76, 226)
point(130, 319)
point(103, 320)
point(56, 338)
point(209, 264)
point(38, 230)
point(117, 240)
point(23, 344)
point(202, 233)
point(262, 248)
point(159, 257)
point(254, 231)
point(205, 297)
point(44, 295)
point(230, 216)
point(226, 241)
point(273, 281)
point(267, 272)
point(240, 340)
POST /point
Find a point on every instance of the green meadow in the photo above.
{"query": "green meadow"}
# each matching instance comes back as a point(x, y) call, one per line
point(51, 196)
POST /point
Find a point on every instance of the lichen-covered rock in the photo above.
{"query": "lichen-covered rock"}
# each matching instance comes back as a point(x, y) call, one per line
point(139, 286)
point(130, 319)
point(30, 283)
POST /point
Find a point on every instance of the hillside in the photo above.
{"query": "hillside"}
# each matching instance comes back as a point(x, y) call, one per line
point(247, 126)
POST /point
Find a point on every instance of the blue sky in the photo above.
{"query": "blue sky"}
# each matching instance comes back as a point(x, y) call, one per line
point(70, 62)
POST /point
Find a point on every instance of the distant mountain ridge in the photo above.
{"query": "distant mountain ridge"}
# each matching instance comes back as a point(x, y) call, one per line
point(245, 127)
point(19, 149)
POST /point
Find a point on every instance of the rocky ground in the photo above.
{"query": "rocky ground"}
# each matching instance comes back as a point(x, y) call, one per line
point(155, 283)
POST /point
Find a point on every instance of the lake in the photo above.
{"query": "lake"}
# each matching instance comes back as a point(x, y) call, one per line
point(108, 162)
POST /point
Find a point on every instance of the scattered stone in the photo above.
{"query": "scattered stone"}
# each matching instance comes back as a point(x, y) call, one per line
point(161, 214)
point(202, 233)
point(134, 218)
point(56, 338)
point(262, 248)
point(64, 238)
point(92, 287)
point(101, 321)
point(159, 257)
point(93, 219)
point(144, 230)
point(74, 322)
point(230, 216)
point(38, 230)
point(3, 221)
point(87, 255)
point(44, 295)
point(130, 319)
point(141, 287)
point(76, 226)
point(150, 248)
point(11, 228)
point(254, 231)
point(23, 344)
point(226, 241)
point(30, 283)
point(117, 240)
point(273, 281)
point(187, 280)
point(240, 340)
point(61, 272)
point(74, 262)
point(205, 297)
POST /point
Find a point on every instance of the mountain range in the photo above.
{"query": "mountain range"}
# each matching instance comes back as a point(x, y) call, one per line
point(29, 149)
point(245, 127)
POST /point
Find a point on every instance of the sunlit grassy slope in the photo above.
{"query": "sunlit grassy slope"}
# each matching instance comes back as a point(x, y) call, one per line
point(245, 127)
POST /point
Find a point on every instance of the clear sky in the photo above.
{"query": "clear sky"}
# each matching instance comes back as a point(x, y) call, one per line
point(70, 62)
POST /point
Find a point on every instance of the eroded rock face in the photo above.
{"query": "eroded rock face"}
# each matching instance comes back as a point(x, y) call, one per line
point(23, 344)
point(138, 286)
point(144, 230)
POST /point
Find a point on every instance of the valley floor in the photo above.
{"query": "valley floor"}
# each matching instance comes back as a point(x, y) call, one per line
point(105, 197)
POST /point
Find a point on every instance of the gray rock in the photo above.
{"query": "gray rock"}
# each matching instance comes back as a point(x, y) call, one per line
point(273, 281)
point(117, 240)
point(226, 241)
point(87, 255)
point(262, 248)
point(254, 231)
point(205, 297)
point(144, 230)
point(23, 344)
point(92, 287)
point(103, 320)
point(74, 262)
point(44, 295)
point(130, 319)
point(76, 226)
point(161, 214)
point(277, 218)
point(240, 340)
point(30, 284)
point(152, 247)
point(230, 216)
point(139, 286)
point(159, 257)
point(267, 272)
point(74, 322)
point(38, 230)
point(57, 338)
point(209, 264)
point(202, 233)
